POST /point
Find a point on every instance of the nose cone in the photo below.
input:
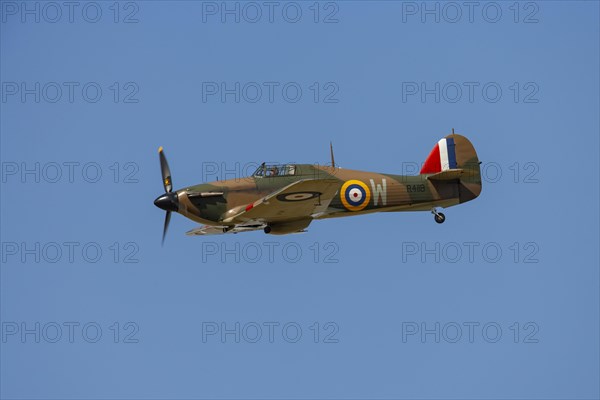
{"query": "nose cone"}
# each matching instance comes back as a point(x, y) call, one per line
point(167, 202)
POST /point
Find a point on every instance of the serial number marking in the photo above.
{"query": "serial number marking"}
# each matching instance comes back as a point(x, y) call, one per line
point(420, 188)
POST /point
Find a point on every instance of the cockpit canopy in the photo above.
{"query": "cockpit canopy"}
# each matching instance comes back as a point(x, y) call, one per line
point(272, 170)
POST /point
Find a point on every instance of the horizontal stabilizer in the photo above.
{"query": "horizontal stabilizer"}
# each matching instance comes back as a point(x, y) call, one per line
point(447, 175)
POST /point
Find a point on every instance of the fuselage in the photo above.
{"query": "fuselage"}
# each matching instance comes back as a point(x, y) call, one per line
point(359, 192)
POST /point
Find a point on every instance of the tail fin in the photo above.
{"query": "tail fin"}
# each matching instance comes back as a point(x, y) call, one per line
point(454, 158)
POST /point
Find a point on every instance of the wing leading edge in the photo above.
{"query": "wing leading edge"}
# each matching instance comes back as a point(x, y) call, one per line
point(300, 200)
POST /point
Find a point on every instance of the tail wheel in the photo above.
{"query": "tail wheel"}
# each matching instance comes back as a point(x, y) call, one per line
point(439, 218)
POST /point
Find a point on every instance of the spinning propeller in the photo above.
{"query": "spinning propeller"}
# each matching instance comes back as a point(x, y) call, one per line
point(168, 201)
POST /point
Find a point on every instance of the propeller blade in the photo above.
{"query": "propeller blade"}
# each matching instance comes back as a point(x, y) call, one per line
point(165, 171)
point(166, 227)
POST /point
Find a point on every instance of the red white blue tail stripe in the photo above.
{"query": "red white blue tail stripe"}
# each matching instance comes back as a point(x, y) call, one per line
point(441, 158)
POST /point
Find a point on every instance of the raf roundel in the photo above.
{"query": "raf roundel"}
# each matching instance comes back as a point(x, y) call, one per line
point(355, 195)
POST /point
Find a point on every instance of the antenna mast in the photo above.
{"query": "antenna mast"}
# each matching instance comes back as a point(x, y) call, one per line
point(331, 151)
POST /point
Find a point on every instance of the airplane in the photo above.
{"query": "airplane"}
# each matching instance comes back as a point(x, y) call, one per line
point(285, 198)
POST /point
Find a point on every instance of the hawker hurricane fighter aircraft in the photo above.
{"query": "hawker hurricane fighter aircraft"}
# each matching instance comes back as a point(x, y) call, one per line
point(281, 199)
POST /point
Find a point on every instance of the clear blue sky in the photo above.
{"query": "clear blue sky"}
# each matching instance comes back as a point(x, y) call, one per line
point(396, 274)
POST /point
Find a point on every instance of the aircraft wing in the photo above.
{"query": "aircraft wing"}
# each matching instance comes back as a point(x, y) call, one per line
point(301, 199)
point(203, 230)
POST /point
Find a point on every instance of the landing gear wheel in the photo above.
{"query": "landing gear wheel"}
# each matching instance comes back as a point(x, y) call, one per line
point(267, 229)
point(439, 218)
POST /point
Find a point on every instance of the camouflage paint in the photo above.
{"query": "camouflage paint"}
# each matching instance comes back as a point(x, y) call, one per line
point(359, 192)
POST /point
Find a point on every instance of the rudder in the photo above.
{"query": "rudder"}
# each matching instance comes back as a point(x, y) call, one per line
point(452, 153)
